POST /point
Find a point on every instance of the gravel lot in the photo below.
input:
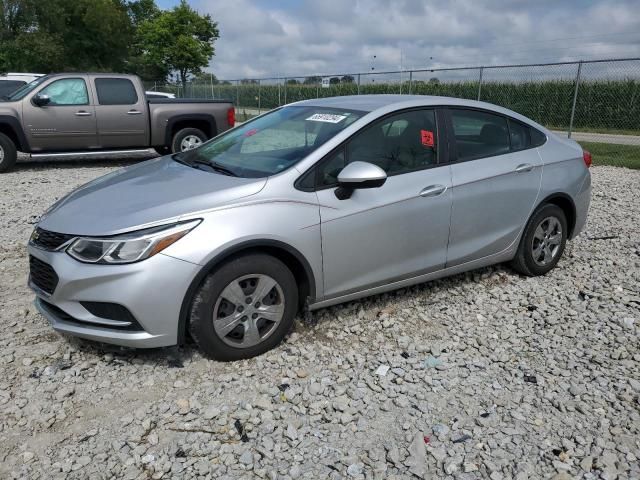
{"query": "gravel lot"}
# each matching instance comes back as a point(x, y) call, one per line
point(492, 375)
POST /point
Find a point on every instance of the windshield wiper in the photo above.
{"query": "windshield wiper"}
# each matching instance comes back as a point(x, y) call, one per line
point(214, 166)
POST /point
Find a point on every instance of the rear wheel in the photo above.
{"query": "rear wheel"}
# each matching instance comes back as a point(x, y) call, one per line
point(8, 153)
point(244, 308)
point(187, 139)
point(543, 241)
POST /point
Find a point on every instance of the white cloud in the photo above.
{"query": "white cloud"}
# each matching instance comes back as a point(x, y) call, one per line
point(262, 38)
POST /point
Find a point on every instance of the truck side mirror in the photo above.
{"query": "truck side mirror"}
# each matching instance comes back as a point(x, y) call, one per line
point(41, 100)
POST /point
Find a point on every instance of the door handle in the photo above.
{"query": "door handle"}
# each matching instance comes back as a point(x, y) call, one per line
point(433, 191)
point(134, 112)
point(525, 167)
point(82, 113)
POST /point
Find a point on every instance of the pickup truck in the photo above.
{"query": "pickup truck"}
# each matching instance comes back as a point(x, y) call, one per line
point(87, 113)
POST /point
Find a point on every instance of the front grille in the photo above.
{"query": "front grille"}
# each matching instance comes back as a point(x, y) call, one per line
point(49, 240)
point(42, 275)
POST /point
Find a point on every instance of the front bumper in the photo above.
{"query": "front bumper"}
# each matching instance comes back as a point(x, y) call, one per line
point(151, 290)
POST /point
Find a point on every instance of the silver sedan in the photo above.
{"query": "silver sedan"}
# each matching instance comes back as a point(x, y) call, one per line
point(313, 204)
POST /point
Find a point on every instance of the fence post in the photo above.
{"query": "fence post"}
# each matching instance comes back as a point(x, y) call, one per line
point(358, 84)
point(259, 97)
point(213, 95)
point(279, 94)
point(285, 90)
point(575, 98)
point(410, 82)
point(238, 93)
point(480, 83)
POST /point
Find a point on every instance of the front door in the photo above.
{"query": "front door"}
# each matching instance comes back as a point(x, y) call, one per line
point(122, 113)
point(396, 231)
point(66, 123)
point(496, 181)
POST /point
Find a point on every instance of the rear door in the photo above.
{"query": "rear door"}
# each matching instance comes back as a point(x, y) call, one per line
point(496, 178)
point(121, 111)
point(67, 122)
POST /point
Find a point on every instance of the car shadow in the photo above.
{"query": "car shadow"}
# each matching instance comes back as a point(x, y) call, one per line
point(26, 163)
point(177, 356)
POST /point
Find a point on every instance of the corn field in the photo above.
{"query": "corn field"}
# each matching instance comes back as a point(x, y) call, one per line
point(607, 97)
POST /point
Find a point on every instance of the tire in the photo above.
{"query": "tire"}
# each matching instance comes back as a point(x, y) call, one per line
point(184, 134)
point(8, 153)
point(227, 293)
point(547, 226)
point(162, 151)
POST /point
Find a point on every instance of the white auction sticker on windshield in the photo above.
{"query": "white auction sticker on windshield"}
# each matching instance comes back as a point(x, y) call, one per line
point(326, 117)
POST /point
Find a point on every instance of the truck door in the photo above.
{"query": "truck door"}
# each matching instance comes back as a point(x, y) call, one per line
point(65, 122)
point(121, 112)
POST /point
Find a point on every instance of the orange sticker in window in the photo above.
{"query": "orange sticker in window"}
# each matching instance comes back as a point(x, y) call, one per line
point(426, 137)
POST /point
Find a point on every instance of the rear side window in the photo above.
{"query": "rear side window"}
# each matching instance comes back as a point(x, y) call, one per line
point(519, 135)
point(116, 91)
point(479, 134)
point(537, 137)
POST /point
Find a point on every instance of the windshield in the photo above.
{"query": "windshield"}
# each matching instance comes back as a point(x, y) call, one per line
point(25, 89)
point(272, 143)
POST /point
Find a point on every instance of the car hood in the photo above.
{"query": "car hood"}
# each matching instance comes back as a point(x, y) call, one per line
point(152, 192)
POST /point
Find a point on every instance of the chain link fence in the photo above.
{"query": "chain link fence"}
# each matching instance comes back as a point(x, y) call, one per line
point(596, 102)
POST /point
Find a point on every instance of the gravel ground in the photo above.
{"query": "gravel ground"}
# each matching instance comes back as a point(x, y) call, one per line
point(492, 375)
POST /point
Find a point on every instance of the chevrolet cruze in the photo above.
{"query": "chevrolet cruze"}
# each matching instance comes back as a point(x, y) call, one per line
point(312, 204)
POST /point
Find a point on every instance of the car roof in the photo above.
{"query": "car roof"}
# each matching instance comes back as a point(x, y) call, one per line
point(371, 103)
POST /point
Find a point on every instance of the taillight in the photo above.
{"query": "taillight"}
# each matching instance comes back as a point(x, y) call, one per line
point(231, 116)
point(586, 156)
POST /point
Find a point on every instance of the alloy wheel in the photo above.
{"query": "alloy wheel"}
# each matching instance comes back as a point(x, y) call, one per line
point(190, 142)
point(547, 240)
point(248, 310)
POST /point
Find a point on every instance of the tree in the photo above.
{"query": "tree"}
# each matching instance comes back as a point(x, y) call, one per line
point(292, 81)
point(334, 80)
point(347, 79)
point(179, 40)
point(312, 80)
point(434, 80)
point(55, 35)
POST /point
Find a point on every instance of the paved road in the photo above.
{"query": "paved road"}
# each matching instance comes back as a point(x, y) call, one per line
point(603, 138)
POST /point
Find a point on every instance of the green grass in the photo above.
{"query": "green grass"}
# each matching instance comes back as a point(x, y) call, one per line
point(615, 155)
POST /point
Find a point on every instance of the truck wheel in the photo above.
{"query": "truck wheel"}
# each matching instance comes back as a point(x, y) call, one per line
point(187, 139)
point(162, 151)
point(8, 153)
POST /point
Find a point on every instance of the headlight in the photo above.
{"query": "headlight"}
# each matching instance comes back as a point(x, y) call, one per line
point(129, 247)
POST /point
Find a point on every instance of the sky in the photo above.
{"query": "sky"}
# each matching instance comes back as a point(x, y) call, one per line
point(265, 38)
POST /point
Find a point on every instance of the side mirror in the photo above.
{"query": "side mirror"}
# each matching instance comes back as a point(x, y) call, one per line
point(359, 175)
point(41, 100)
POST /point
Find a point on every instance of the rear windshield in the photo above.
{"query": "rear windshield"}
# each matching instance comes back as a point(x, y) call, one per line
point(274, 142)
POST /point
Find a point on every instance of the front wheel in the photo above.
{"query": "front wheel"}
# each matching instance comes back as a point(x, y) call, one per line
point(244, 308)
point(543, 241)
point(187, 139)
point(8, 153)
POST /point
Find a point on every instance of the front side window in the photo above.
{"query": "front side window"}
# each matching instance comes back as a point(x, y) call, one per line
point(398, 144)
point(272, 143)
point(116, 91)
point(479, 134)
point(401, 143)
point(67, 91)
